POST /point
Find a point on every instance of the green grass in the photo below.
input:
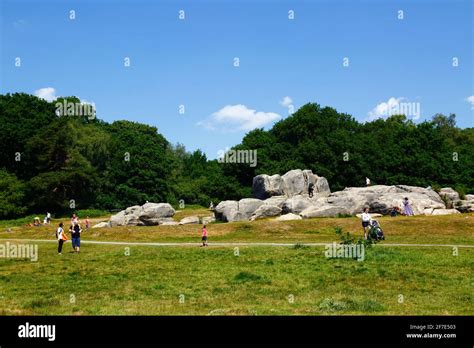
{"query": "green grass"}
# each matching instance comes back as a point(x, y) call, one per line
point(261, 280)
point(150, 281)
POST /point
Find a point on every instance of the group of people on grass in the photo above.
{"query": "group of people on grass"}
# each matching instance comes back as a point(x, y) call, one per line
point(75, 230)
point(367, 219)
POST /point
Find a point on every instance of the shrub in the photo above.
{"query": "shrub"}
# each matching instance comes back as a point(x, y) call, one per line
point(91, 213)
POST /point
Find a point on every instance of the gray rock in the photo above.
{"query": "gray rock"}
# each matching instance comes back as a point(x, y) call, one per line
point(381, 198)
point(296, 204)
point(265, 186)
point(445, 212)
point(208, 219)
point(265, 211)
point(288, 217)
point(149, 214)
point(450, 194)
point(276, 200)
point(227, 211)
point(469, 197)
point(101, 225)
point(294, 182)
point(248, 206)
point(324, 211)
point(189, 220)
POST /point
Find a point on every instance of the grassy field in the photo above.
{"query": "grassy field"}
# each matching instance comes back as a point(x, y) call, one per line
point(299, 280)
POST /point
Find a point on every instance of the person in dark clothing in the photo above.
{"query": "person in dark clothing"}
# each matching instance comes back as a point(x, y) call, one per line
point(310, 189)
point(76, 236)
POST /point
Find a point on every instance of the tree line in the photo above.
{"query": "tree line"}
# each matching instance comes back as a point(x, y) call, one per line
point(62, 163)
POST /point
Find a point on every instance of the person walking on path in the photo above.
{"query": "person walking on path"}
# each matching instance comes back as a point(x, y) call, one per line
point(76, 237)
point(407, 207)
point(61, 237)
point(204, 236)
point(366, 218)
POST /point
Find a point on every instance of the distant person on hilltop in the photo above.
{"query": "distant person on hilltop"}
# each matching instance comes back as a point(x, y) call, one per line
point(367, 181)
point(88, 223)
point(74, 219)
point(408, 211)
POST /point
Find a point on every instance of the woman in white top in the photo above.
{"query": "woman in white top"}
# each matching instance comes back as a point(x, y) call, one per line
point(60, 236)
point(366, 218)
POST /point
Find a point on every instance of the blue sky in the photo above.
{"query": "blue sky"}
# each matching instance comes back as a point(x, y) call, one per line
point(190, 62)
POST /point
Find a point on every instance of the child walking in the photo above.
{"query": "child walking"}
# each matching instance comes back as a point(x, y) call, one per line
point(204, 236)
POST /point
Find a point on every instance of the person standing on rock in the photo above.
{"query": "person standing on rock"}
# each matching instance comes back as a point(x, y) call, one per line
point(310, 189)
point(204, 236)
point(367, 181)
point(366, 218)
point(407, 207)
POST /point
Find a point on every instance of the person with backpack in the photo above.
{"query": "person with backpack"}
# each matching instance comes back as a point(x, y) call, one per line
point(76, 236)
point(61, 236)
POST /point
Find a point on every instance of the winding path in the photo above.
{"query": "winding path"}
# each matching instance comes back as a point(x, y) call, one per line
point(232, 244)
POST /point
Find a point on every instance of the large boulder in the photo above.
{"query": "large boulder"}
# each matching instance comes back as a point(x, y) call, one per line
point(295, 182)
point(445, 212)
point(324, 211)
point(149, 214)
point(265, 211)
point(450, 194)
point(276, 200)
point(265, 186)
point(296, 204)
point(288, 217)
point(248, 206)
point(101, 225)
point(189, 220)
point(381, 198)
point(242, 210)
point(208, 219)
point(227, 211)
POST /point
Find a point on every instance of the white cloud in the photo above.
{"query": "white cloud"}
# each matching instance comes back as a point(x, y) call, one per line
point(286, 101)
point(396, 106)
point(238, 117)
point(47, 93)
point(470, 100)
point(383, 109)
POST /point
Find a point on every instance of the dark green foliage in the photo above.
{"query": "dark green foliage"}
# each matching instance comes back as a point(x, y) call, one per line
point(47, 161)
point(388, 151)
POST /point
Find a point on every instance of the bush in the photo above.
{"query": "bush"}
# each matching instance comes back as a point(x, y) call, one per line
point(91, 213)
point(461, 189)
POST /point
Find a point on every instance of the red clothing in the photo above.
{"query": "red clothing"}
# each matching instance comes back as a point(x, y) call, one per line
point(204, 232)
